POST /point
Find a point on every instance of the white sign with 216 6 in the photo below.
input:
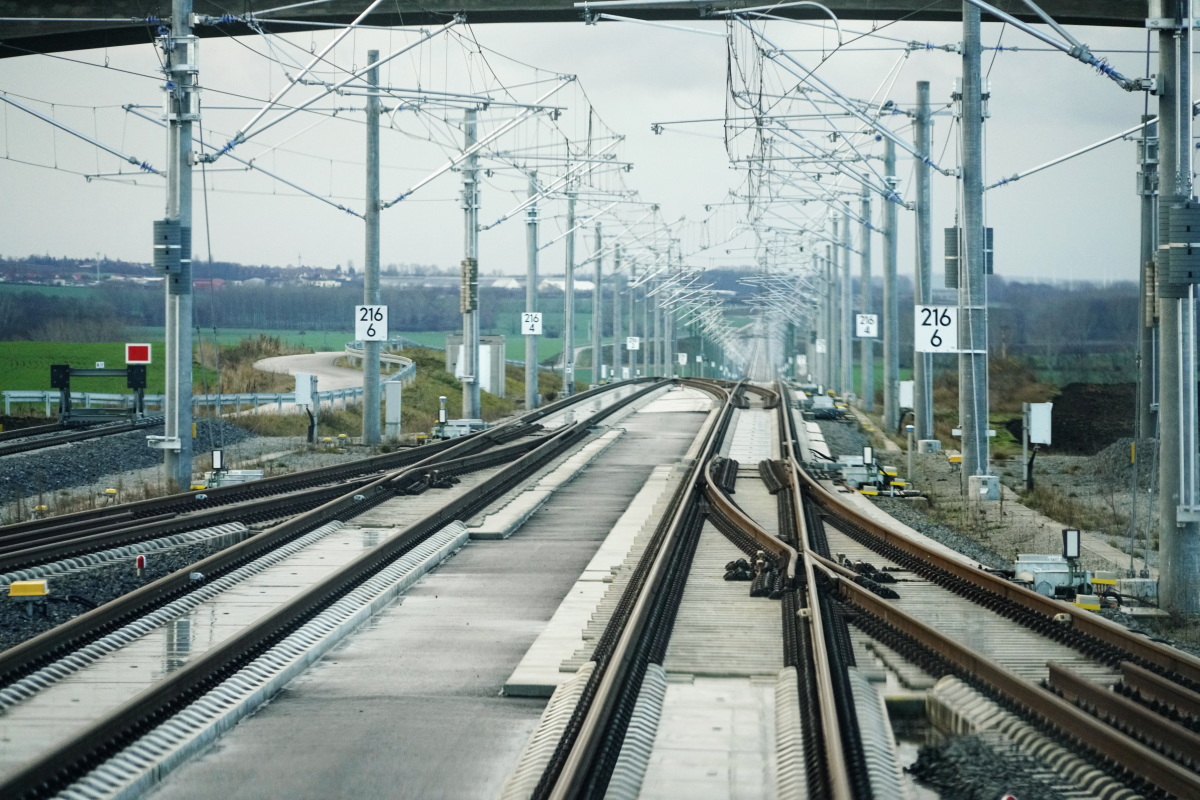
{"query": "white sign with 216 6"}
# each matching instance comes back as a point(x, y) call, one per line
point(370, 323)
point(935, 329)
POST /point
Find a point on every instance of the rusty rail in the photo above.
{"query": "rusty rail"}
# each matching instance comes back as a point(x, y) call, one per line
point(1042, 704)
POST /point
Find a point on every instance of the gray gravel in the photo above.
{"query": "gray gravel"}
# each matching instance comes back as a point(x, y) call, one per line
point(843, 438)
point(83, 463)
point(915, 519)
point(95, 586)
point(971, 768)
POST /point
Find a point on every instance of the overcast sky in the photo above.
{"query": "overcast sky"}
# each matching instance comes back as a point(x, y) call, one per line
point(1075, 221)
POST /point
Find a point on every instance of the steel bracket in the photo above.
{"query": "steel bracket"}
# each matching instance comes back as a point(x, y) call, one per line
point(1168, 23)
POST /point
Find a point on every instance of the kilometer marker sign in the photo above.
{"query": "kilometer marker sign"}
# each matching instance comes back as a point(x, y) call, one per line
point(935, 329)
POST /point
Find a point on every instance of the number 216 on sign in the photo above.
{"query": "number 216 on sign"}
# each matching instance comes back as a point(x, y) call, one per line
point(936, 329)
point(370, 323)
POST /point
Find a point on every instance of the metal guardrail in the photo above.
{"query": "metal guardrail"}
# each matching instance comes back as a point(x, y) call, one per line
point(49, 399)
point(406, 373)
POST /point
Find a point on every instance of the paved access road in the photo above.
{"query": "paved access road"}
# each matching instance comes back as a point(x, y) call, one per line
point(329, 374)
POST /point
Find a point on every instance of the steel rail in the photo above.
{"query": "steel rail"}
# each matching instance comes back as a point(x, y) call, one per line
point(33, 430)
point(60, 437)
point(1156, 689)
point(201, 499)
point(18, 552)
point(1040, 703)
point(1072, 722)
point(88, 747)
point(1135, 720)
point(837, 773)
point(323, 505)
point(581, 750)
point(722, 504)
point(1110, 633)
point(88, 523)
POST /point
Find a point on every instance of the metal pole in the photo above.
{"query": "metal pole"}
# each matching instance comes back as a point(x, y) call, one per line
point(923, 290)
point(1147, 381)
point(829, 367)
point(1025, 476)
point(182, 111)
point(597, 361)
point(1147, 312)
point(632, 355)
point(531, 271)
point(891, 311)
point(569, 301)
point(834, 343)
point(845, 314)
point(646, 329)
point(617, 338)
point(972, 292)
point(371, 295)
point(658, 336)
point(1179, 533)
point(469, 290)
point(866, 345)
point(670, 358)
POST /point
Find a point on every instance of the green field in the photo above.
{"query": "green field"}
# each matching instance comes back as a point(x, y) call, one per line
point(26, 365)
point(317, 341)
point(75, 292)
point(335, 340)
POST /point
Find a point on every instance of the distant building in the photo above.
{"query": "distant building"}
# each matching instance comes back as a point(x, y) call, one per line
point(560, 285)
point(508, 282)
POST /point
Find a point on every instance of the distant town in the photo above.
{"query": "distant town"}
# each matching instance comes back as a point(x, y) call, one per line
point(65, 271)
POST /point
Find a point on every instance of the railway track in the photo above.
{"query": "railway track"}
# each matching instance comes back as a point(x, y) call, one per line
point(32, 672)
point(27, 544)
point(25, 440)
point(1049, 663)
point(1112, 713)
point(835, 588)
point(606, 739)
point(32, 430)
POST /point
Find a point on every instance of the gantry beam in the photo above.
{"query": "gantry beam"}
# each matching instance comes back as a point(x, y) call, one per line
point(73, 25)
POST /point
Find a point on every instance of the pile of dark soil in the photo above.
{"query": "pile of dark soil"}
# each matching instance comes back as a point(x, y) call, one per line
point(1089, 417)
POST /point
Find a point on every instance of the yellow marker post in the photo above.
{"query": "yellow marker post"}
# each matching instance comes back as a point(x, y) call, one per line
point(29, 589)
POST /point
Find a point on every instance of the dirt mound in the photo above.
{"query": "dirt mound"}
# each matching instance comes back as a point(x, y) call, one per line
point(1089, 417)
